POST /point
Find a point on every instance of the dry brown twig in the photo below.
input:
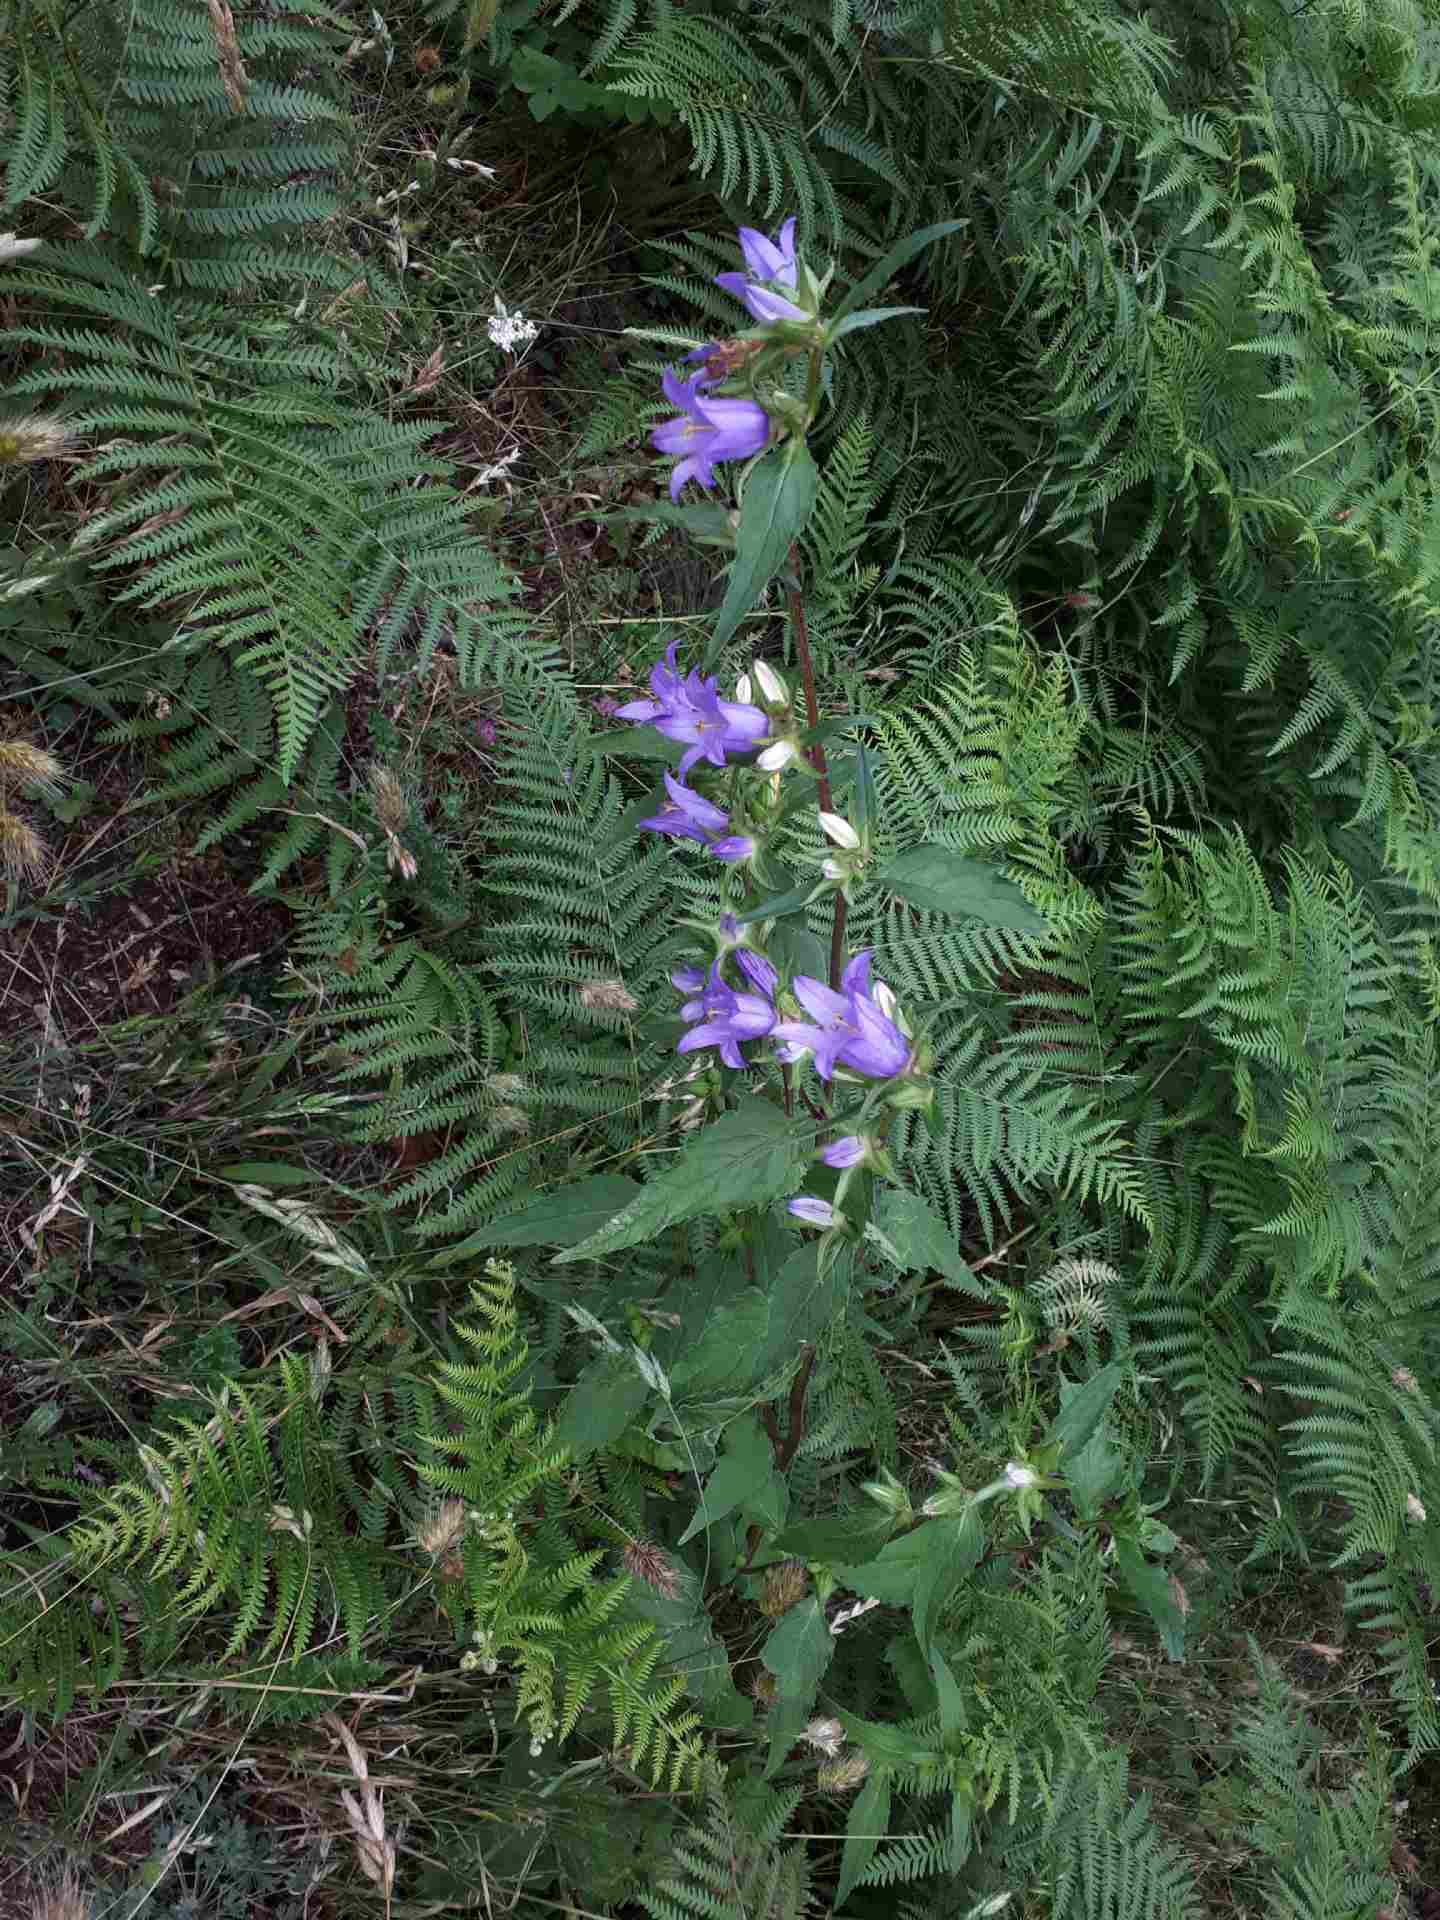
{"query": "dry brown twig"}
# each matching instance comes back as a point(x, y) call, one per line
point(233, 76)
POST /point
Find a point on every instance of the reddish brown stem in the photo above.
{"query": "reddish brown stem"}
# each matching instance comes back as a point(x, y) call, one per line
point(800, 633)
point(785, 1447)
point(795, 1430)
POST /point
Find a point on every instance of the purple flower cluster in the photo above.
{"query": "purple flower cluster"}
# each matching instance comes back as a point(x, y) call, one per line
point(722, 1017)
point(708, 427)
point(686, 707)
point(690, 816)
point(849, 1028)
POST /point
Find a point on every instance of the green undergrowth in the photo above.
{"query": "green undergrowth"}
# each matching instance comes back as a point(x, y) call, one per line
point(436, 1474)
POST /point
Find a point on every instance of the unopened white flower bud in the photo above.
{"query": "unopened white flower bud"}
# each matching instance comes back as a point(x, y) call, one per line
point(838, 829)
point(777, 755)
point(772, 687)
point(743, 690)
point(1414, 1506)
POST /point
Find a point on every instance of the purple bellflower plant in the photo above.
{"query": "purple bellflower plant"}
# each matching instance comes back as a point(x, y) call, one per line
point(849, 1029)
point(735, 399)
point(708, 429)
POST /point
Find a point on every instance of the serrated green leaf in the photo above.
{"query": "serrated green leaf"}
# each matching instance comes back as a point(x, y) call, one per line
point(746, 1158)
point(723, 1359)
point(600, 1405)
point(799, 1650)
point(893, 1574)
point(793, 947)
point(920, 1241)
point(867, 1826)
point(954, 1554)
point(941, 880)
point(803, 1302)
point(1093, 1473)
point(1150, 1586)
point(771, 909)
point(850, 1536)
point(886, 1745)
point(554, 1219)
point(742, 1476)
point(947, 1692)
point(1085, 1407)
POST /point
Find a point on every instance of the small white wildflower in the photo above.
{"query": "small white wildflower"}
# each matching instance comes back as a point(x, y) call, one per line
point(508, 330)
point(1414, 1506)
point(1019, 1479)
point(771, 685)
point(840, 831)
